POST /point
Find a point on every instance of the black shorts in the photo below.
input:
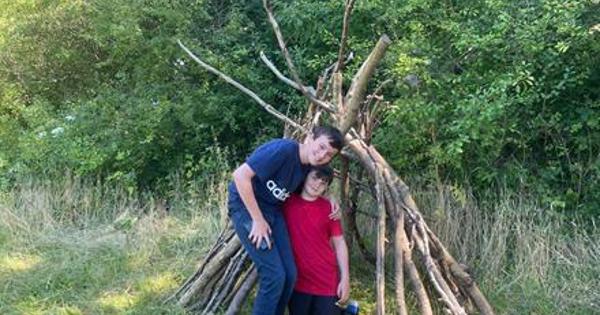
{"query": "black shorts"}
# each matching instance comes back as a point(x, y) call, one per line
point(309, 304)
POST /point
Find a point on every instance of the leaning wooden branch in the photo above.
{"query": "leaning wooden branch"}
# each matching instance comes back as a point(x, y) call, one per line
point(356, 92)
point(337, 92)
point(244, 89)
point(242, 292)
point(339, 65)
point(380, 266)
point(329, 70)
point(288, 59)
point(376, 96)
point(309, 90)
point(463, 277)
point(210, 268)
point(398, 263)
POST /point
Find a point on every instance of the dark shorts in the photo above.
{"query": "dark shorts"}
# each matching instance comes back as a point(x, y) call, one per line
point(309, 304)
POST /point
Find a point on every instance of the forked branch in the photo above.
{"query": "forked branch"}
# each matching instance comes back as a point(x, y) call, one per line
point(309, 90)
point(244, 89)
point(288, 59)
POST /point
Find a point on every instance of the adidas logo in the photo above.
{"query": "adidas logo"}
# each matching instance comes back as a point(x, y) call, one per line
point(279, 193)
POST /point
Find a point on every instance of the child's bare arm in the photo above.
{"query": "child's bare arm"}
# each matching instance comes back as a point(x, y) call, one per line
point(242, 178)
point(341, 253)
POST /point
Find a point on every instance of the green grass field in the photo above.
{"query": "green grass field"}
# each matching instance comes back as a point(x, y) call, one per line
point(84, 248)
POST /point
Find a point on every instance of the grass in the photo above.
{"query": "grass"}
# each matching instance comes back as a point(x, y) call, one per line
point(74, 247)
point(526, 259)
point(77, 248)
point(529, 260)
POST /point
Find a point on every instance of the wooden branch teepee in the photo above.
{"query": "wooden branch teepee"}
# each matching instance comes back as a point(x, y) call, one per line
point(225, 277)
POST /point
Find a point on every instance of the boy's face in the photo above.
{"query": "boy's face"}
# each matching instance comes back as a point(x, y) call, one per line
point(320, 151)
point(313, 185)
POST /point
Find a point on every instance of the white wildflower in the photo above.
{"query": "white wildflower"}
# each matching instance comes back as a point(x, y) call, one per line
point(57, 131)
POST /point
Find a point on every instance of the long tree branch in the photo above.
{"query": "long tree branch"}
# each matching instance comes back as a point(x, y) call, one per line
point(288, 59)
point(371, 112)
point(241, 294)
point(380, 263)
point(244, 89)
point(375, 95)
point(325, 74)
point(356, 92)
point(339, 66)
point(309, 90)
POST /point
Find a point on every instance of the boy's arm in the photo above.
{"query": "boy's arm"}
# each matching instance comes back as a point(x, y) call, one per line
point(341, 253)
point(242, 177)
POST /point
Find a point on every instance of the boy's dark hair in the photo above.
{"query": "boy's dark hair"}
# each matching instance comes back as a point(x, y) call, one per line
point(336, 140)
point(323, 172)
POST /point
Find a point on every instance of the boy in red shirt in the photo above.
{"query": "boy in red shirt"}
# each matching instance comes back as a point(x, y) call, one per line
point(319, 248)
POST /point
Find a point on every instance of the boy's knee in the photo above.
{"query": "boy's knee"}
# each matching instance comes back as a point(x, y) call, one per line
point(274, 280)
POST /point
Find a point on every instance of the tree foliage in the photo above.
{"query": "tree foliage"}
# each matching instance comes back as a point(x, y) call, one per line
point(484, 94)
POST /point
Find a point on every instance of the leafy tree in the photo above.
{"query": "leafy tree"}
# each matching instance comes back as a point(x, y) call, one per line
point(488, 95)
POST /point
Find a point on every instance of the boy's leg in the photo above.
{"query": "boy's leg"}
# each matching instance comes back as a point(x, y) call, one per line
point(325, 305)
point(282, 242)
point(300, 303)
point(271, 272)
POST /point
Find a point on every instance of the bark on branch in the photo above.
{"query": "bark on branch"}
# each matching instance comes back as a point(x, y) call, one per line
point(288, 59)
point(224, 277)
point(356, 93)
point(339, 65)
point(309, 91)
point(242, 88)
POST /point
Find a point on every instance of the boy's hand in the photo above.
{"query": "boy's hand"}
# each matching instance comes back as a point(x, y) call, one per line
point(336, 213)
point(260, 230)
point(343, 291)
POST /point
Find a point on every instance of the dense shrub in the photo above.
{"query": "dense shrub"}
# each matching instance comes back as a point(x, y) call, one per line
point(488, 95)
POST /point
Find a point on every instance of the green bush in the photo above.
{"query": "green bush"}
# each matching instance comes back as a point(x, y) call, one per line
point(489, 95)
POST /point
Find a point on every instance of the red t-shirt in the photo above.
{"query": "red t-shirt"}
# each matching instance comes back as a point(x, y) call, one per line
point(310, 231)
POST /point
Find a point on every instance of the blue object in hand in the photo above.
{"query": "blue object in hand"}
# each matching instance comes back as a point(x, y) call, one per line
point(351, 308)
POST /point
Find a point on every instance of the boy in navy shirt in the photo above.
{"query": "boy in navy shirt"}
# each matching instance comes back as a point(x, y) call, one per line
point(256, 194)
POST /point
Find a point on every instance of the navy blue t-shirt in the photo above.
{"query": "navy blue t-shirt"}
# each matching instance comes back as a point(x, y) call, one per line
point(278, 171)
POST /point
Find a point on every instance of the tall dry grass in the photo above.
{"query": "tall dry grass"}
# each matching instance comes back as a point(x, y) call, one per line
point(76, 246)
point(72, 246)
point(527, 258)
